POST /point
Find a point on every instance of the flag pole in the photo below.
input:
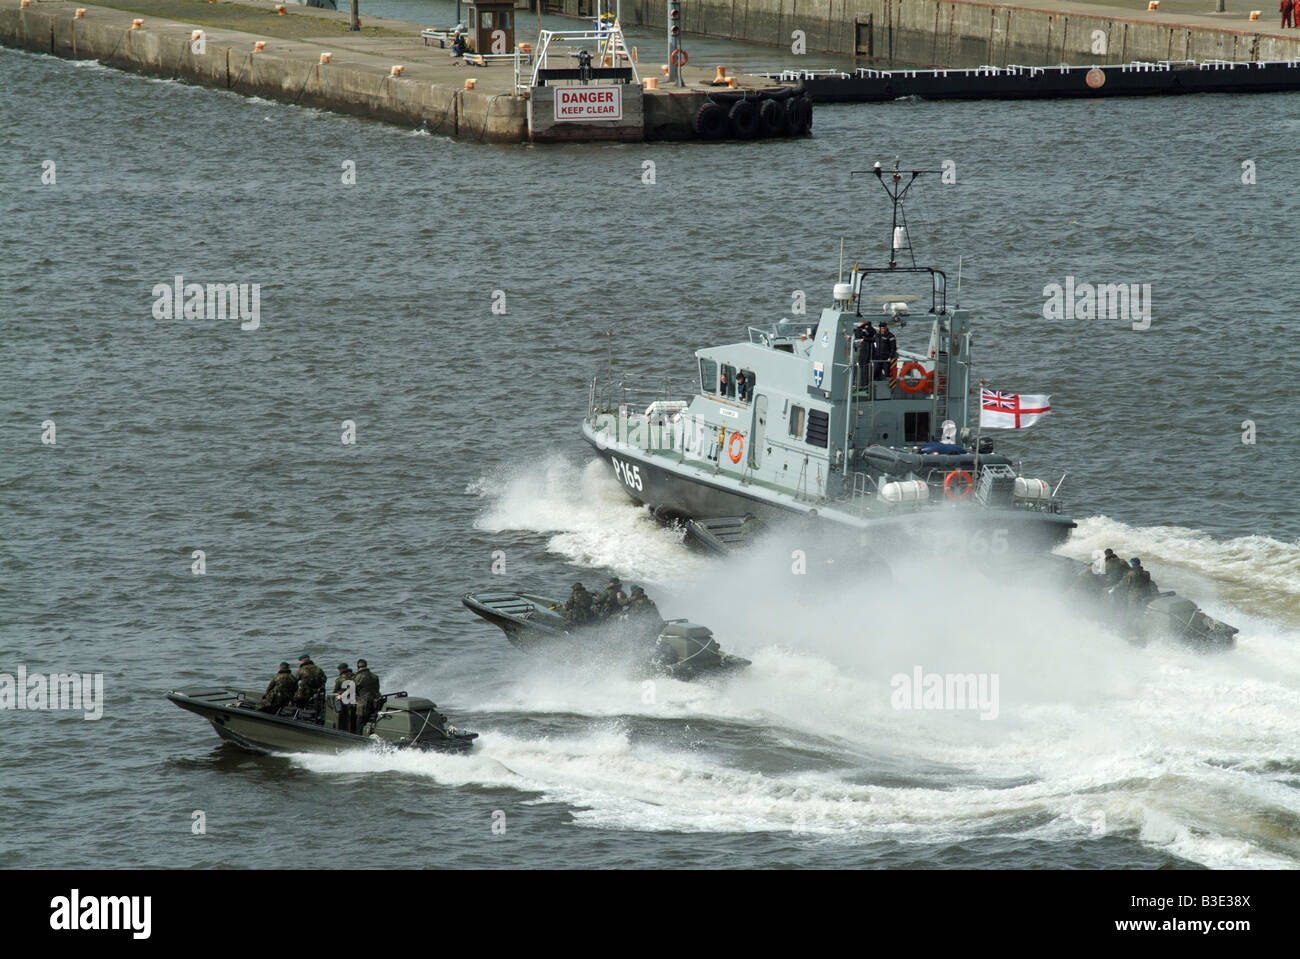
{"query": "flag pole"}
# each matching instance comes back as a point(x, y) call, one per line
point(979, 429)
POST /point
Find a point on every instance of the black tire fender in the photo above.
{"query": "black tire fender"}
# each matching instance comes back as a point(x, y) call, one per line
point(711, 121)
point(771, 119)
point(744, 119)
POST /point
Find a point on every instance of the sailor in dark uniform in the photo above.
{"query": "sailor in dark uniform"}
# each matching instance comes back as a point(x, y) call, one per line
point(864, 340)
point(886, 350)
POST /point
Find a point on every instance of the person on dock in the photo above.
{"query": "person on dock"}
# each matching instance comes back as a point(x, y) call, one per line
point(459, 46)
point(1288, 13)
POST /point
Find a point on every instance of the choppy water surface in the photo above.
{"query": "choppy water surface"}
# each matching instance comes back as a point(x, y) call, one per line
point(376, 307)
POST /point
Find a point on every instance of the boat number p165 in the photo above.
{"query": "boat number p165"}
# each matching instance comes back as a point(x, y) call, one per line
point(630, 475)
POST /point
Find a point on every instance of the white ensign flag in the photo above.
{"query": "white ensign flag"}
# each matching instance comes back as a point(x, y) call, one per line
point(1012, 411)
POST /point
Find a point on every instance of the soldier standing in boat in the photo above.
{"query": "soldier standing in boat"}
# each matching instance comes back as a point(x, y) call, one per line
point(577, 611)
point(610, 602)
point(643, 609)
point(279, 691)
point(346, 698)
point(367, 693)
point(311, 681)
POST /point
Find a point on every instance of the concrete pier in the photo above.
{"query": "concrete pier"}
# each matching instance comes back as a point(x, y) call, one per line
point(357, 77)
point(961, 33)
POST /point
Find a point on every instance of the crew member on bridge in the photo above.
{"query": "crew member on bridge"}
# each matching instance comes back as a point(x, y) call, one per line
point(864, 338)
point(886, 350)
point(742, 388)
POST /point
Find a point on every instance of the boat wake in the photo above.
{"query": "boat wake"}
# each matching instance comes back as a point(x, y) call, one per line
point(589, 520)
point(1083, 736)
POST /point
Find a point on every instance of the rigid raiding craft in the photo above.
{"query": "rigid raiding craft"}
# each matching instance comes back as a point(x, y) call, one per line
point(797, 421)
point(400, 720)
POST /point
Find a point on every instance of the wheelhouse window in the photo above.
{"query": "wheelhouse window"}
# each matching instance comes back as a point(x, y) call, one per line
point(819, 422)
point(916, 426)
point(708, 376)
point(727, 381)
point(745, 385)
point(796, 421)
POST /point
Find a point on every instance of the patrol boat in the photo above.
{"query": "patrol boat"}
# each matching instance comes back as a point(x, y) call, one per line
point(401, 720)
point(533, 623)
point(807, 436)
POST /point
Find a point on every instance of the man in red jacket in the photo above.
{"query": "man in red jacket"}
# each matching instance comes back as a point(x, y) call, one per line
point(1287, 13)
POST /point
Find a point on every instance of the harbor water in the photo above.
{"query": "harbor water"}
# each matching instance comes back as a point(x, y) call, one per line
point(452, 304)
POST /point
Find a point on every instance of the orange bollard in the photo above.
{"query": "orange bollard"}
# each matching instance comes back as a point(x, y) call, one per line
point(721, 76)
point(259, 46)
point(652, 83)
point(1254, 14)
point(664, 68)
point(80, 14)
point(731, 82)
point(25, 4)
point(326, 57)
point(396, 70)
point(137, 24)
point(279, 10)
point(471, 83)
point(1153, 6)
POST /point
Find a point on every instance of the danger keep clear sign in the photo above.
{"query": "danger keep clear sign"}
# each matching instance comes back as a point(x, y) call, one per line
point(589, 103)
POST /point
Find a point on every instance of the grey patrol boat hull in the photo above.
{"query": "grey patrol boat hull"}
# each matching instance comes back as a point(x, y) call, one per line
point(235, 718)
point(685, 494)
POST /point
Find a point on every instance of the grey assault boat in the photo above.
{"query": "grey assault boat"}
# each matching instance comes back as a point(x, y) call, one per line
point(811, 439)
point(532, 623)
point(1166, 616)
point(401, 720)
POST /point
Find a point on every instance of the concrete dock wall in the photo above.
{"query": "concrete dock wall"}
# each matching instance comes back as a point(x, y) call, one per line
point(288, 71)
point(959, 33)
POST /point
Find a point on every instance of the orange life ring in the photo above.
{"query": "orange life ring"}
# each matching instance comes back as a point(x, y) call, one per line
point(920, 384)
point(678, 57)
point(732, 450)
point(967, 481)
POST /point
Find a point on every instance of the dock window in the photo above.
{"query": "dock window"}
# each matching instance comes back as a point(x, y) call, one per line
point(708, 376)
point(796, 421)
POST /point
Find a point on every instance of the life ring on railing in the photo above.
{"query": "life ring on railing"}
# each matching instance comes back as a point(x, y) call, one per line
point(967, 481)
point(678, 57)
point(734, 451)
point(918, 385)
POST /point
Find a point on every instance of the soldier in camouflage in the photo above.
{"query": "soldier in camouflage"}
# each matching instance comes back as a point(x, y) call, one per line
point(610, 602)
point(279, 691)
point(347, 710)
point(311, 681)
point(367, 693)
point(578, 610)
